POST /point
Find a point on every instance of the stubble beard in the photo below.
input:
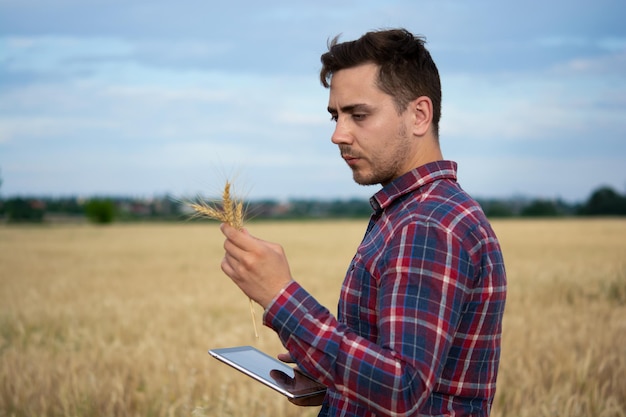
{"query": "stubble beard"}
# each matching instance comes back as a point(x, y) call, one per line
point(384, 169)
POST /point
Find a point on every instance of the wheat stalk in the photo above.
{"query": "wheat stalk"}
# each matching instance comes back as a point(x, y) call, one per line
point(230, 212)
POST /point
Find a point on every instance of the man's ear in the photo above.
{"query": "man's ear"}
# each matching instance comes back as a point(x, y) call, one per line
point(422, 111)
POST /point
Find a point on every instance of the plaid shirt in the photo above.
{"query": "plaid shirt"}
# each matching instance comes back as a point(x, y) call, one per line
point(420, 314)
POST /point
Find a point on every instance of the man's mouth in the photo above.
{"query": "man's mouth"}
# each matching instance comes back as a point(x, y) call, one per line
point(350, 159)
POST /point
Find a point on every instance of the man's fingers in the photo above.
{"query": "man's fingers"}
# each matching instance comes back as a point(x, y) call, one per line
point(282, 378)
point(225, 265)
point(238, 237)
point(285, 357)
point(309, 401)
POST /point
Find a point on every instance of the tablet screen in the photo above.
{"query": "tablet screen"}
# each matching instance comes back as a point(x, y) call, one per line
point(268, 370)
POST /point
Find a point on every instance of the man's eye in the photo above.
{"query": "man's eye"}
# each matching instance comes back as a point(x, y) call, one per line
point(333, 117)
point(359, 116)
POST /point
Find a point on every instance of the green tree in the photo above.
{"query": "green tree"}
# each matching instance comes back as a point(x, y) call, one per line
point(497, 208)
point(541, 208)
point(605, 201)
point(100, 211)
point(21, 210)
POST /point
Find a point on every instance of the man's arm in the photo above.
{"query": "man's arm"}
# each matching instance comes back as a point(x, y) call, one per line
point(421, 292)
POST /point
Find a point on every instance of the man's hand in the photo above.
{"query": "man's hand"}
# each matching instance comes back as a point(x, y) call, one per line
point(285, 357)
point(259, 268)
point(288, 382)
point(300, 381)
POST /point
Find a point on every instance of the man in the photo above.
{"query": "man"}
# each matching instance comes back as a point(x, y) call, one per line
point(420, 313)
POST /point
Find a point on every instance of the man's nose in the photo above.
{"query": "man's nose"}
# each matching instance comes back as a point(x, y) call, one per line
point(342, 134)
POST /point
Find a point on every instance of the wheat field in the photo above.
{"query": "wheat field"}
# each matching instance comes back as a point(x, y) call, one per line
point(117, 320)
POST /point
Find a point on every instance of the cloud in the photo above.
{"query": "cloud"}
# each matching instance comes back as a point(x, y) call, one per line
point(148, 96)
point(546, 177)
point(612, 64)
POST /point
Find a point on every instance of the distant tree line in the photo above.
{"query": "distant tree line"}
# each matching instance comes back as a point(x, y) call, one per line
point(604, 201)
point(99, 210)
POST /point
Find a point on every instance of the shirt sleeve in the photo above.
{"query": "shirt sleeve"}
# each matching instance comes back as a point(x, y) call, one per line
point(423, 278)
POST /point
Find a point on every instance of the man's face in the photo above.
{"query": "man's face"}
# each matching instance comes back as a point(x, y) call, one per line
point(371, 135)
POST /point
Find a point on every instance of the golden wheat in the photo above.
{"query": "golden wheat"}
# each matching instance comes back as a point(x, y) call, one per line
point(231, 212)
point(117, 321)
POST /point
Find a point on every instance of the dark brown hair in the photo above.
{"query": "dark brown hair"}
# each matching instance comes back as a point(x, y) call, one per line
point(406, 69)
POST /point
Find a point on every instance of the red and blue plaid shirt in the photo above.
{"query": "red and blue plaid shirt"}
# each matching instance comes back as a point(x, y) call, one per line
point(420, 314)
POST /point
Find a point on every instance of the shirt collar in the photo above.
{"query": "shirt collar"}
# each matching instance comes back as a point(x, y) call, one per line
point(413, 180)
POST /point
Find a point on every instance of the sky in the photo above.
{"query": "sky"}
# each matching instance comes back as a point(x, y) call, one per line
point(147, 98)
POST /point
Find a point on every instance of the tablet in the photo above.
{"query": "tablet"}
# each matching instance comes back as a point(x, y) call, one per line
point(269, 371)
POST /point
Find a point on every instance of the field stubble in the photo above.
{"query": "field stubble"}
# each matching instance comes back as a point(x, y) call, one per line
point(118, 320)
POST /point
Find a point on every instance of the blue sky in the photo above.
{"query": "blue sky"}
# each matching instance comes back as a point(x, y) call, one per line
point(144, 98)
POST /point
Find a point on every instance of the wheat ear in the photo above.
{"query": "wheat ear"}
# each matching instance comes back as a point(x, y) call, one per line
point(232, 213)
